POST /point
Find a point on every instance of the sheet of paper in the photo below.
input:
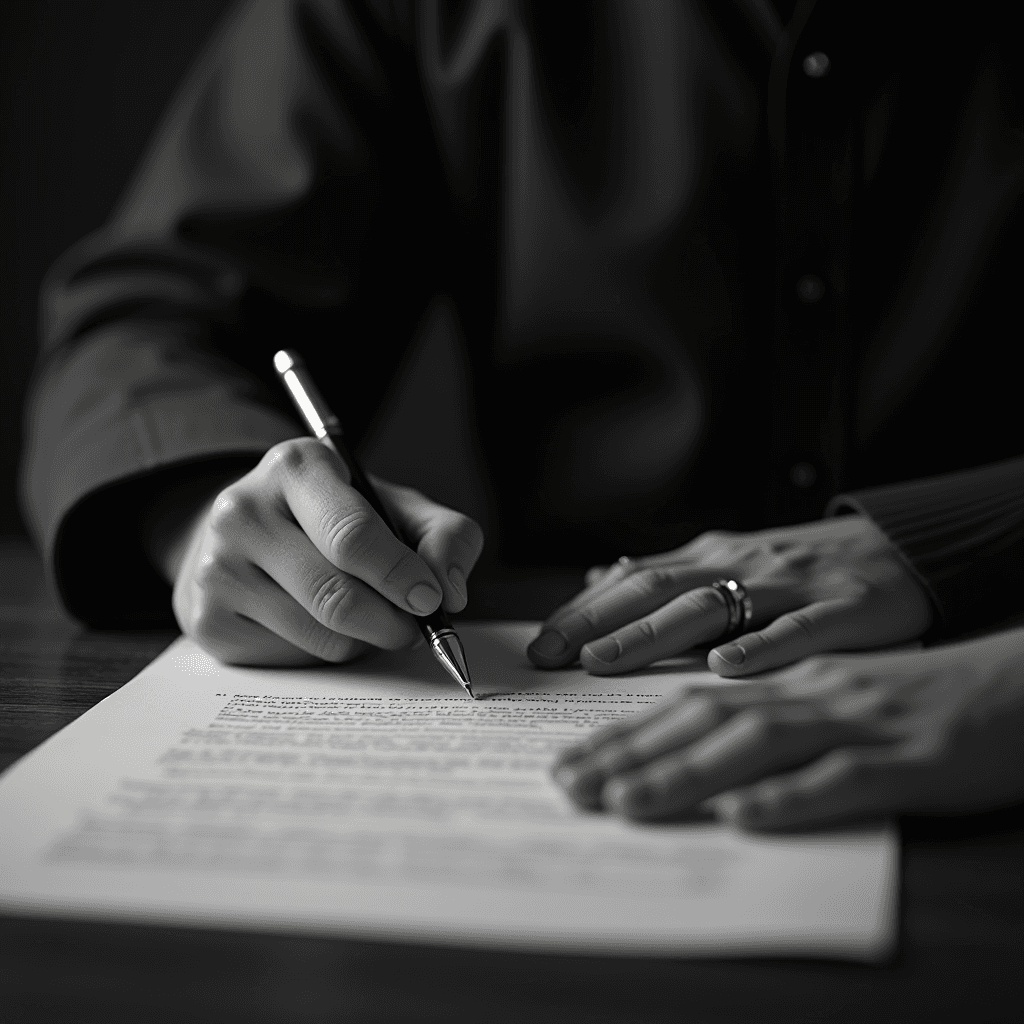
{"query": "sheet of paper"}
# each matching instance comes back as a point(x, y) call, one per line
point(379, 800)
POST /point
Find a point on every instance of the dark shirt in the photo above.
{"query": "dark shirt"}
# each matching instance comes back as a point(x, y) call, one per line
point(712, 271)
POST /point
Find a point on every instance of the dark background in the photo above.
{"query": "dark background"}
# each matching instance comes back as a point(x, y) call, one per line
point(84, 83)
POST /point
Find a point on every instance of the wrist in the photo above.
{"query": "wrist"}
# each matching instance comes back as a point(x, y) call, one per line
point(176, 508)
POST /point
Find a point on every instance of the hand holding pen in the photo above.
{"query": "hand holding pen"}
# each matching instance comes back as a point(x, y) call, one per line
point(289, 564)
point(324, 426)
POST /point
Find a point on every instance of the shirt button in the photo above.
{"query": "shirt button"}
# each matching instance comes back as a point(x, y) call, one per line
point(802, 475)
point(810, 288)
point(816, 64)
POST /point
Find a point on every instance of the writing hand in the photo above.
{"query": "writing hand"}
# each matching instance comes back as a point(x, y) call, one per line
point(290, 565)
point(833, 738)
point(833, 585)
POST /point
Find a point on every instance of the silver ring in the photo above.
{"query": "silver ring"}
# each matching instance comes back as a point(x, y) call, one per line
point(738, 605)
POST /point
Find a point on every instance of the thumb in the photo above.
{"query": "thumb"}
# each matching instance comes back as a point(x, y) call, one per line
point(448, 541)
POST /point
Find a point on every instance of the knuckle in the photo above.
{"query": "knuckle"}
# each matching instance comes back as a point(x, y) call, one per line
point(232, 509)
point(816, 668)
point(854, 679)
point(460, 523)
point(759, 726)
point(404, 567)
point(334, 598)
point(712, 538)
point(798, 621)
point(294, 456)
point(753, 642)
point(705, 600)
point(349, 536)
point(647, 630)
point(799, 556)
point(588, 618)
point(847, 766)
point(643, 631)
point(649, 582)
point(210, 572)
point(457, 530)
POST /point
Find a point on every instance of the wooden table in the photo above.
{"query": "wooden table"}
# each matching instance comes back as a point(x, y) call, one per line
point(962, 907)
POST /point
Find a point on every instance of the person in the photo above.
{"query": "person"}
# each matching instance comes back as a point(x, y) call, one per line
point(716, 272)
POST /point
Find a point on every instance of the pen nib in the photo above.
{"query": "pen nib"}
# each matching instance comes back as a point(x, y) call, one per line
point(448, 650)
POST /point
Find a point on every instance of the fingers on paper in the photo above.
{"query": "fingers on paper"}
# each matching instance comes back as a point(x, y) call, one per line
point(752, 743)
point(694, 617)
point(584, 771)
point(610, 608)
point(814, 629)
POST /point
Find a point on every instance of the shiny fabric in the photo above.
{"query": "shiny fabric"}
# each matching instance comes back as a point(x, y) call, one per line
point(702, 284)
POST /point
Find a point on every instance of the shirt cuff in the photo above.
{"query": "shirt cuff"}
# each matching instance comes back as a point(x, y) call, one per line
point(961, 535)
point(100, 481)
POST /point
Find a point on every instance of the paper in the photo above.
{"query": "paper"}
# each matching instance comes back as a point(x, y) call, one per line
point(377, 799)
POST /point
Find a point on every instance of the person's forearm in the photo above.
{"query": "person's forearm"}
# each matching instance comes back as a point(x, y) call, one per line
point(175, 510)
point(963, 536)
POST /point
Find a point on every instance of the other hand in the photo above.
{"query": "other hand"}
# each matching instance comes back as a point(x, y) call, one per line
point(290, 565)
point(834, 585)
point(840, 737)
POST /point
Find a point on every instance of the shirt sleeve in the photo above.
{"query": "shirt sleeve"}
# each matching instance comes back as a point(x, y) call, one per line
point(962, 535)
point(258, 192)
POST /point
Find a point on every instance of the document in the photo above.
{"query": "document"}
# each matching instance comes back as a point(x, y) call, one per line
point(377, 799)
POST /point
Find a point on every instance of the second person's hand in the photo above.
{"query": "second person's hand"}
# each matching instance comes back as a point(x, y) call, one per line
point(833, 585)
point(290, 565)
point(828, 740)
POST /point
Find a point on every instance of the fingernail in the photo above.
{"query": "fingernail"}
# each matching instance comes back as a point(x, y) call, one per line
point(423, 598)
point(605, 650)
point(458, 581)
point(731, 654)
point(549, 644)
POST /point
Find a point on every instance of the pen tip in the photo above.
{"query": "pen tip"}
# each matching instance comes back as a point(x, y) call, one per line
point(448, 650)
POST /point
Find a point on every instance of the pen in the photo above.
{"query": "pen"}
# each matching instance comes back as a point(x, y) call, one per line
point(324, 426)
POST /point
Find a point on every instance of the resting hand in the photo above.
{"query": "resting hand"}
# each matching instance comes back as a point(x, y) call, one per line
point(290, 565)
point(936, 731)
point(833, 585)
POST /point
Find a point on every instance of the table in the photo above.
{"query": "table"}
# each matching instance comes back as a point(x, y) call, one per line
point(962, 906)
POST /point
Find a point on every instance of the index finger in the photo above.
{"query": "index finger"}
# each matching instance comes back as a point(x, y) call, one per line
point(348, 532)
point(583, 772)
